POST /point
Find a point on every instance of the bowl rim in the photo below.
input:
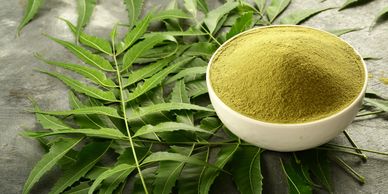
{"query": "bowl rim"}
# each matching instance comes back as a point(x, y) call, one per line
point(360, 96)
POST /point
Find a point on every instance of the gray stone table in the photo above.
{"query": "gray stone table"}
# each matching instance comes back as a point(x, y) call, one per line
point(18, 81)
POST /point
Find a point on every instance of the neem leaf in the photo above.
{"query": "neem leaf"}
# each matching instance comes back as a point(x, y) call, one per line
point(213, 17)
point(205, 49)
point(246, 170)
point(167, 127)
point(85, 55)
point(261, 5)
point(300, 16)
point(83, 88)
point(170, 14)
point(29, 13)
point(380, 15)
point(166, 176)
point(135, 51)
point(242, 23)
point(339, 32)
point(188, 181)
point(107, 133)
point(91, 41)
point(167, 156)
point(351, 3)
point(85, 10)
point(93, 74)
point(196, 88)
point(179, 94)
point(296, 181)
point(102, 110)
point(114, 171)
point(275, 8)
point(191, 6)
point(47, 121)
point(134, 8)
point(57, 151)
point(202, 6)
point(82, 188)
point(381, 104)
point(189, 32)
point(87, 158)
point(210, 174)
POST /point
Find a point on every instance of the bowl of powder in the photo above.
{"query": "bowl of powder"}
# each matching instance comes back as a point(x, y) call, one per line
point(285, 87)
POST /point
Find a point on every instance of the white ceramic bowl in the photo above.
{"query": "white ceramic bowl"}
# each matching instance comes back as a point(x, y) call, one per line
point(284, 137)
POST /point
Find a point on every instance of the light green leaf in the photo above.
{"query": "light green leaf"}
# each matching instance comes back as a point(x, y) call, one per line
point(170, 14)
point(134, 52)
point(381, 104)
point(92, 74)
point(30, 11)
point(167, 156)
point(157, 79)
point(210, 174)
point(242, 23)
point(339, 32)
point(246, 170)
point(167, 127)
point(196, 88)
point(85, 10)
point(179, 95)
point(107, 133)
point(114, 171)
point(202, 6)
point(300, 16)
point(134, 8)
point(57, 151)
point(91, 41)
point(102, 110)
point(143, 111)
point(380, 15)
point(261, 5)
point(85, 55)
point(351, 3)
point(296, 182)
point(191, 6)
point(133, 35)
point(147, 71)
point(189, 32)
point(213, 17)
point(47, 121)
point(83, 88)
point(205, 49)
point(187, 72)
point(87, 158)
point(275, 8)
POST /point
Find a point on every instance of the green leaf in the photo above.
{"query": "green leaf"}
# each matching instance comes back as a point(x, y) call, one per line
point(261, 5)
point(85, 10)
point(187, 72)
point(188, 181)
point(114, 171)
point(85, 55)
point(143, 111)
point(134, 52)
point(87, 158)
point(380, 16)
point(57, 151)
point(102, 110)
point(134, 8)
point(133, 35)
point(83, 88)
point(213, 17)
point(91, 41)
point(202, 6)
point(29, 13)
point(210, 174)
point(300, 16)
point(191, 6)
point(246, 170)
point(167, 127)
point(79, 189)
point(339, 32)
point(179, 95)
point(201, 49)
point(157, 79)
point(92, 74)
point(296, 182)
point(351, 3)
point(107, 133)
point(381, 104)
point(147, 71)
point(167, 156)
point(196, 88)
point(275, 8)
point(170, 14)
point(47, 121)
point(242, 23)
point(189, 32)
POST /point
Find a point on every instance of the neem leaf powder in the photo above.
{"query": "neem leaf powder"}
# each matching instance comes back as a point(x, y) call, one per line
point(287, 74)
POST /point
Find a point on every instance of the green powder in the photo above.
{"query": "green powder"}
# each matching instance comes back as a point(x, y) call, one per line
point(287, 74)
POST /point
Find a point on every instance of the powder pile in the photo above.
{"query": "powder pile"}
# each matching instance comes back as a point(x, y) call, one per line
point(287, 74)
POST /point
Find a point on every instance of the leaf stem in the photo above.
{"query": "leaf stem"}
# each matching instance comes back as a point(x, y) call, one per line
point(363, 156)
point(362, 149)
point(369, 113)
point(122, 101)
point(348, 169)
point(343, 151)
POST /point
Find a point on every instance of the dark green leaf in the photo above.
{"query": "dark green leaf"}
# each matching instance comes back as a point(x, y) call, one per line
point(167, 156)
point(103, 110)
point(300, 16)
point(87, 158)
point(196, 88)
point(275, 8)
point(246, 170)
point(201, 49)
point(179, 95)
point(85, 10)
point(188, 181)
point(107, 133)
point(79, 189)
point(170, 14)
point(242, 23)
point(187, 72)
point(167, 127)
point(380, 16)
point(213, 17)
point(47, 121)
point(339, 32)
point(30, 11)
point(85, 55)
point(57, 151)
point(83, 88)
point(134, 8)
point(296, 182)
point(202, 6)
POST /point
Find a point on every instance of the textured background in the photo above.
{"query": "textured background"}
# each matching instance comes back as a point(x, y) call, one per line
point(18, 81)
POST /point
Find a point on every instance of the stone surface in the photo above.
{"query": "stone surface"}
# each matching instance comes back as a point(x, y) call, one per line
point(18, 80)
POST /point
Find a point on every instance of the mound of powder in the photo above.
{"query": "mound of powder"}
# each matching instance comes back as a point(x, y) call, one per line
point(287, 74)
